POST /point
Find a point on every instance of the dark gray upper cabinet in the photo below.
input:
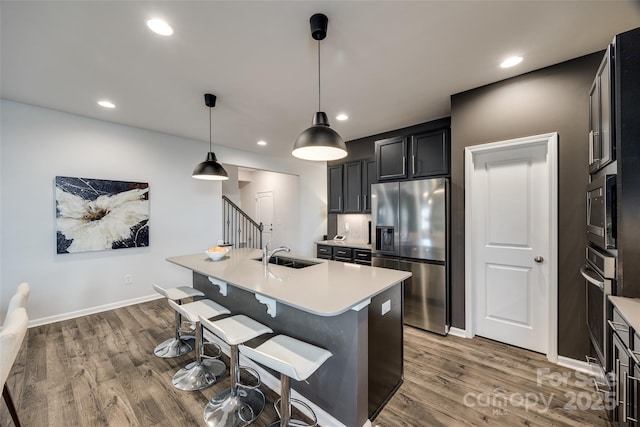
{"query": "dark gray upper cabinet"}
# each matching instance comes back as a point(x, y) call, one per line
point(429, 154)
point(369, 176)
point(353, 187)
point(350, 186)
point(391, 158)
point(335, 187)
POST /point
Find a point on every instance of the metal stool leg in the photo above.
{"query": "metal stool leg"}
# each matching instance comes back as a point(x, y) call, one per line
point(201, 373)
point(283, 407)
point(237, 406)
point(178, 345)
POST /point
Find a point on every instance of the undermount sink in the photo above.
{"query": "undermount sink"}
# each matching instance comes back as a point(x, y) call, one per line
point(289, 262)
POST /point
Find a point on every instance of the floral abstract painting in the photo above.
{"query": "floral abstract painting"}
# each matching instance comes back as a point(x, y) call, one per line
point(98, 214)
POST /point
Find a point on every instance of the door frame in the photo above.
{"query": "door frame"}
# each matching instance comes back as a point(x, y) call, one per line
point(470, 153)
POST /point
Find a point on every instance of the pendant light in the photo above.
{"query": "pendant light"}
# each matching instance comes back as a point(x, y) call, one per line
point(210, 169)
point(319, 142)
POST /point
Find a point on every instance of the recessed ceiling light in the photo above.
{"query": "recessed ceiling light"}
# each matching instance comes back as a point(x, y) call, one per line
point(261, 142)
point(106, 104)
point(510, 62)
point(159, 26)
point(342, 117)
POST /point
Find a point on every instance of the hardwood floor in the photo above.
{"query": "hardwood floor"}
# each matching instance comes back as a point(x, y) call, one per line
point(99, 370)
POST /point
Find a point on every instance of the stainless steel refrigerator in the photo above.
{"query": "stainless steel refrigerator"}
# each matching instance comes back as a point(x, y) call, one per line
point(410, 232)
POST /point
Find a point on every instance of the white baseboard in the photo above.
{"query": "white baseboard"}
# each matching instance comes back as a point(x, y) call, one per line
point(457, 332)
point(576, 365)
point(91, 310)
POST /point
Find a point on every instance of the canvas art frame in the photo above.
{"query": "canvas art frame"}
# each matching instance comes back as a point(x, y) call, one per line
point(98, 214)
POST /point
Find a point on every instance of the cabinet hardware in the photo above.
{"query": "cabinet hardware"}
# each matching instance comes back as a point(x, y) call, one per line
point(413, 164)
point(538, 259)
point(617, 378)
point(627, 417)
point(617, 326)
point(339, 203)
point(358, 202)
point(404, 161)
point(624, 397)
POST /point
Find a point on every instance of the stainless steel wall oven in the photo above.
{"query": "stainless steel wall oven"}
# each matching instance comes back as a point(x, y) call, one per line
point(599, 273)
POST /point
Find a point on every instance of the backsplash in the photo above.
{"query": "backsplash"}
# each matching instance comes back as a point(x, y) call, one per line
point(355, 227)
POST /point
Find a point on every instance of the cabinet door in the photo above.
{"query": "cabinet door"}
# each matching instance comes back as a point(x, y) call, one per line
point(343, 254)
point(323, 251)
point(429, 154)
point(391, 158)
point(621, 371)
point(368, 178)
point(335, 187)
point(353, 187)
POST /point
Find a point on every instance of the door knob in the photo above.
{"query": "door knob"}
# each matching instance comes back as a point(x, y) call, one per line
point(538, 259)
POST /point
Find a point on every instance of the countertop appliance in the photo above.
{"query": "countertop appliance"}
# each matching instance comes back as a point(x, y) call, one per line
point(410, 233)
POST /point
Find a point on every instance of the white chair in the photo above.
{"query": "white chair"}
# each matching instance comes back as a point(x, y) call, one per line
point(293, 359)
point(19, 299)
point(205, 370)
point(238, 405)
point(13, 331)
point(179, 344)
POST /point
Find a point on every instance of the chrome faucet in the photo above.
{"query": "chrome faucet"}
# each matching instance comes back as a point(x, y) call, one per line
point(266, 255)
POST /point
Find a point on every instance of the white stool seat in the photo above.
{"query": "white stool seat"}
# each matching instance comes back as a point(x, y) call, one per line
point(200, 373)
point(235, 330)
point(289, 356)
point(179, 344)
point(178, 293)
point(202, 308)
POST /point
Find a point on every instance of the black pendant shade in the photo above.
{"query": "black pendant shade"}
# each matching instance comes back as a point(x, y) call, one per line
point(210, 169)
point(319, 142)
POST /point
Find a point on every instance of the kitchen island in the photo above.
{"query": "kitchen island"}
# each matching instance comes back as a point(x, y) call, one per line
point(354, 311)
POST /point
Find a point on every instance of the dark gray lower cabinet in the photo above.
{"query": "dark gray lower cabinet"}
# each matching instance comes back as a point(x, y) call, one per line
point(342, 254)
point(626, 372)
point(361, 256)
point(324, 251)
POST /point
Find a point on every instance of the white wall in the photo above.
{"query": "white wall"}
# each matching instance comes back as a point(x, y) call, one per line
point(286, 203)
point(36, 144)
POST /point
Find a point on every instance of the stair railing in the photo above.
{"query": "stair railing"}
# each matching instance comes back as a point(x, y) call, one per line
point(238, 228)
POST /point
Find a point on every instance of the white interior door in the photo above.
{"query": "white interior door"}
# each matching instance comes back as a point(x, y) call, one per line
point(264, 215)
point(511, 225)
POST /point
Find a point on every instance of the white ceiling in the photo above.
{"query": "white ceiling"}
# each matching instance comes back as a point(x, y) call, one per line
point(388, 64)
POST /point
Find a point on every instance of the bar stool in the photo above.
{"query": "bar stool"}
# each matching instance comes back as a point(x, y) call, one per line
point(293, 359)
point(238, 405)
point(178, 345)
point(205, 370)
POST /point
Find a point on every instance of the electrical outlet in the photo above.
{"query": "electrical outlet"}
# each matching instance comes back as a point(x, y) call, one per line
point(386, 307)
point(128, 279)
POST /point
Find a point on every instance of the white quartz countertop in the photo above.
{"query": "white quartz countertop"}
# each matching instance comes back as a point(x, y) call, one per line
point(326, 289)
point(346, 243)
point(630, 310)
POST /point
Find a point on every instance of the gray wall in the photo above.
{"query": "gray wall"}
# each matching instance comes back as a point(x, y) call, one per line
point(554, 99)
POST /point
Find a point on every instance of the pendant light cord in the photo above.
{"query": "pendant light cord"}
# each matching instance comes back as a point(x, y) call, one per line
point(209, 129)
point(319, 109)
